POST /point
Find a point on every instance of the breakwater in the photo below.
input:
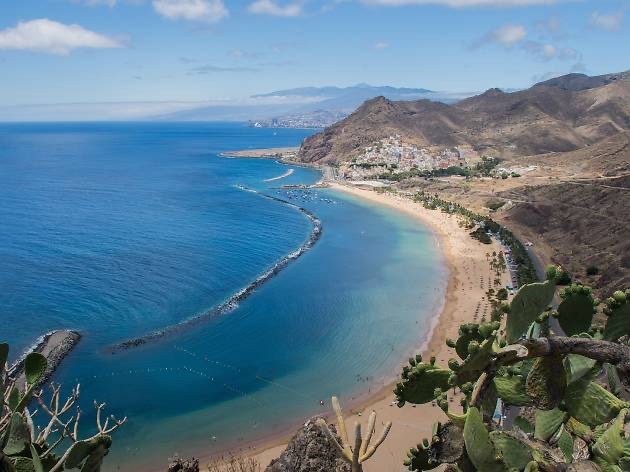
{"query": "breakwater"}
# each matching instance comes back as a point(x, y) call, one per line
point(232, 302)
point(55, 346)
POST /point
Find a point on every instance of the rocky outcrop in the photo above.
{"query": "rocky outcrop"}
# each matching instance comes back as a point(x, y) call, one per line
point(309, 451)
point(179, 464)
point(55, 346)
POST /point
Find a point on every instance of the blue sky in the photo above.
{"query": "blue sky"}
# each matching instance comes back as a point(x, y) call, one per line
point(84, 51)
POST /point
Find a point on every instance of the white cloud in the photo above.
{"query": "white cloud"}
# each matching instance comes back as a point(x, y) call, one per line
point(381, 45)
point(607, 21)
point(208, 11)
point(509, 35)
point(466, 3)
point(270, 7)
point(547, 51)
point(43, 35)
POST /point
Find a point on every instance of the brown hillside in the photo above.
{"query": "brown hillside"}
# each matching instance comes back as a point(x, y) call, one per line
point(561, 115)
point(583, 222)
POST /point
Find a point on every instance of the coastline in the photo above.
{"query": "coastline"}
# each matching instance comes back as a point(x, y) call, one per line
point(467, 265)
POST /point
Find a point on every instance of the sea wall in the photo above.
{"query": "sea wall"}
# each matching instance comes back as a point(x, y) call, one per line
point(232, 302)
point(55, 346)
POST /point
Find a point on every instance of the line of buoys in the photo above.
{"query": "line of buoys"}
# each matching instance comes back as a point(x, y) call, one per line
point(211, 361)
point(257, 376)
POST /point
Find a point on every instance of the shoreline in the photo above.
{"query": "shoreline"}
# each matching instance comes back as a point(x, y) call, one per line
point(466, 264)
point(262, 153)
point(413, 423)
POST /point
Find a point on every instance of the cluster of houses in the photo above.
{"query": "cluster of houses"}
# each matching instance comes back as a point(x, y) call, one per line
point(393, 154)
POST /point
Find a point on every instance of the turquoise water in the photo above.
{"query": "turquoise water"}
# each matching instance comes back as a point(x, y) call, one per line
point(119, 230)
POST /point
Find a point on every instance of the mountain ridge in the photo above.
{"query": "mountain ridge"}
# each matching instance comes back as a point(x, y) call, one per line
point(560, 115)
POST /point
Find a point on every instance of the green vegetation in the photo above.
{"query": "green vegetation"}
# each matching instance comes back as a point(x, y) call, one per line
point(526, 272)
point(494, 204)
point(415, 172)
point(24, 448)
point(481, 235)
point(486, 166)
point(570, 391)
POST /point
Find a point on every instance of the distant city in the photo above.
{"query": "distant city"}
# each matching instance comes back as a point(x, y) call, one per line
point(316, 119)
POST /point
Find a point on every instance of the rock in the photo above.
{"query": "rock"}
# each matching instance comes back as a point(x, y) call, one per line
point(179, 464)
point(309, 451)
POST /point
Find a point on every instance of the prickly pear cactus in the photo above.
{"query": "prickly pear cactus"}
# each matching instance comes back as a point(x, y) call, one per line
point(546, 382)
point(420, 380)
point(575, 312)
point(528, 304)
point(618, 312)
point(571, 390)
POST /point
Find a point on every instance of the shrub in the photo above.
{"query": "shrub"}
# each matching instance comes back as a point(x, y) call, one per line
point(592, 270)
point(502, 294)
point(494, 204)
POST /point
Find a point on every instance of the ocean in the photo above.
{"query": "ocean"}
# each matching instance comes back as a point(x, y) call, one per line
point(120, 230)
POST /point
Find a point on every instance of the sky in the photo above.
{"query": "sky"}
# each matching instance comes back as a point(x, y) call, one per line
point(161, 55)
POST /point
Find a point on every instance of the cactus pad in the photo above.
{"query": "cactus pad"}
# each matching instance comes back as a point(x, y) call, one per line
point(511, 389)
point(548, 422)
point(528, 304)
point(590, 403)
point(609, 447)
point(575, 312)
point(546, 382)
point(420, 381)
point(514, 452)
point(479, 447)
point(618, 323)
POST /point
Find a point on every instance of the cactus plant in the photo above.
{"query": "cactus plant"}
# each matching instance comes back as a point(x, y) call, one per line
point(23, 448)
point(572, 389)
point(618, 312)
point(575, 312)
point(528, 304)
point(361, 451)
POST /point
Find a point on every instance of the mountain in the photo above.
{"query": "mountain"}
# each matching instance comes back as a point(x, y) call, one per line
point(305, 103)
point(559, 115)
point(581, 217)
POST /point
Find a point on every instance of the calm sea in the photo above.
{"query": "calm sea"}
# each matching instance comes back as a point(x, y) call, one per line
point(119, 230)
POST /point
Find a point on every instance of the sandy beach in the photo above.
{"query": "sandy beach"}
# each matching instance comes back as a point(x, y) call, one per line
point(469, 279)
point(280, 152)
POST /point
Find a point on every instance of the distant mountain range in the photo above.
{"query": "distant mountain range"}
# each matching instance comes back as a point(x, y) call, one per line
point(562, 114)
point(306, 106)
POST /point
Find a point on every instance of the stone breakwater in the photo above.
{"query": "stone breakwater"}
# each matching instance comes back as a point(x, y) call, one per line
point(232, 302)
point(55, 346)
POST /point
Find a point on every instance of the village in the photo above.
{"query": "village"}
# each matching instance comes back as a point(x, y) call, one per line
point(395, 156)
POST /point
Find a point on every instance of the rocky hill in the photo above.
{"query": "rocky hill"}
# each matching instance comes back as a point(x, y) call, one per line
point(559, 115)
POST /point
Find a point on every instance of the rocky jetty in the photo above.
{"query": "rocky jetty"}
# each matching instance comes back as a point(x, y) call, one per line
point(55, 346)
point(232, 302)
point(309, 451)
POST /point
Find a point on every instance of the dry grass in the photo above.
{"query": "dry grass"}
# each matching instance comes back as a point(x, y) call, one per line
point(234, 463)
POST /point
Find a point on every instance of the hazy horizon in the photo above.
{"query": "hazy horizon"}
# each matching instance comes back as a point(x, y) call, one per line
point(130, 59)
